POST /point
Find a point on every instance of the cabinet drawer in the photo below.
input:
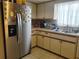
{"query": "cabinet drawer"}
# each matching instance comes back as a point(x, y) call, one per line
point(43, 33)
point(35, 32)
point(63, 37)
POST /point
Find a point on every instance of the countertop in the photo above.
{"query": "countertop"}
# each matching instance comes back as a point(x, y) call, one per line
point(56, 32)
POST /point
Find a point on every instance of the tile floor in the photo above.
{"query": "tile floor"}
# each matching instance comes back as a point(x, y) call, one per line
point(38, 53)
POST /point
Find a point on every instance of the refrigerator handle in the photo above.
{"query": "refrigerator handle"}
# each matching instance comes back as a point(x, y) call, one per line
point(19, 28)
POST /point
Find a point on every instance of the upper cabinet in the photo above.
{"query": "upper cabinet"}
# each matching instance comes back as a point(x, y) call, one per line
point(33, 11)
point(40, 11)
point(49, 10)
point(45, 11)
point(33, 8)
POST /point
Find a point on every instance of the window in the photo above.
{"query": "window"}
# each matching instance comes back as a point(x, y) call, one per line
point(67, 14)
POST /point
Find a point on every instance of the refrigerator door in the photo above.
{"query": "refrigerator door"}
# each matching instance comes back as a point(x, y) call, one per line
point(26, 28)
point(10, 30)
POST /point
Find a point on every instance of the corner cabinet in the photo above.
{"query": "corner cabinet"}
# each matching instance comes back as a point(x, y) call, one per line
point(34, 40)
point(68, 50)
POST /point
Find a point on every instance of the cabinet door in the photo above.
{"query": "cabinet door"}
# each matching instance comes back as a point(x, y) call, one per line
point(68, 50)
point(40, 11)
point(40, 41)
point(33, 8)
point(33, 11)
point(55, 45)
point(33, 41)
point(49, 10)
point(78, 50)
point(46, 43)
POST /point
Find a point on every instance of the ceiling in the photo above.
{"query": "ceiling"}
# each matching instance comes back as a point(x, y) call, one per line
point(38, 1)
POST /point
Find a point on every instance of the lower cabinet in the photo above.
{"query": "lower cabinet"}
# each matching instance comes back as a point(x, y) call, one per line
point(68, 50)
point(55, 45)
point(40, 40)
point(46, 43)
point(63, 48)
point(34, 40)
point(77, 57)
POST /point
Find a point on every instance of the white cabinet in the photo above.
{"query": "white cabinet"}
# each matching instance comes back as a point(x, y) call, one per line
point(46, 43)
point(45, 11)
point(62, 45)
point(40, 41)
point(55, 45)
point(49, 10)
point(34, 40)
point(78, 50)
point(68, 50)
point(40, 11)
point(33, 11)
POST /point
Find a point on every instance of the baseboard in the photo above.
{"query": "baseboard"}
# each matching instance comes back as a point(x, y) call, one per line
point(34, 47)
point(52, 52)
point(45, 50)
point(25, 55)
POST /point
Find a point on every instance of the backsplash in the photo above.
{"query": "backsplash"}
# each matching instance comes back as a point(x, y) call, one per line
point(52, 24)
point(38, 23)
point(43, 23)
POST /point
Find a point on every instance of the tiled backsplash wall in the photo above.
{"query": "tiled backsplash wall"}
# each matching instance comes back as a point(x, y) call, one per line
point(52, 24)
point(37, 23)
point(43, 23)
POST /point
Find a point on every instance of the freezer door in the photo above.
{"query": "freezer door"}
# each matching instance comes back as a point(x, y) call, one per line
point(10, 41)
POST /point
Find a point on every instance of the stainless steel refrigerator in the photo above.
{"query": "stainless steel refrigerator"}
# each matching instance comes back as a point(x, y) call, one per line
point(24, 28)
point(17, 24)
